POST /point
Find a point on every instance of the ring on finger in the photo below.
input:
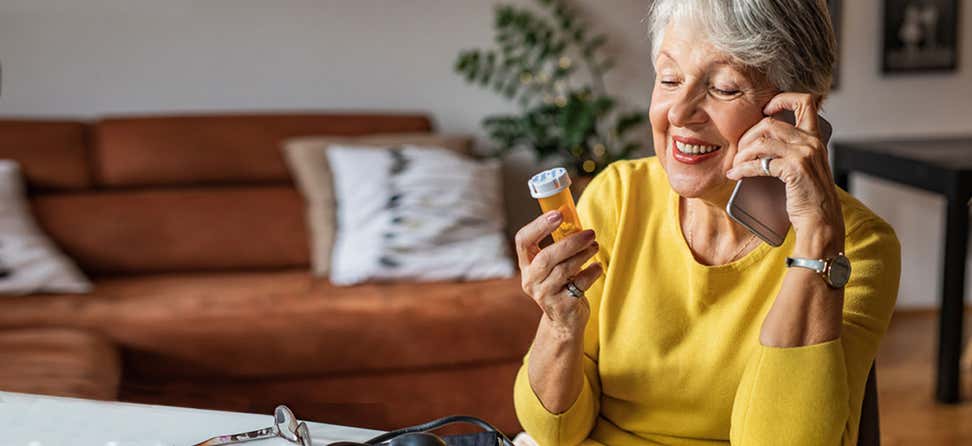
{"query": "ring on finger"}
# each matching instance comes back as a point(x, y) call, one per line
point(764, 163)
point(574, 290)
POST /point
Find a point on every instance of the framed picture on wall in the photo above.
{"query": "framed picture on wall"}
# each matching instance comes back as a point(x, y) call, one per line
point(920, 36)
point(835, 17)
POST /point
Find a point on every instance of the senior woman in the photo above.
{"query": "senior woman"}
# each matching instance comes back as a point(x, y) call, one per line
point(700, 334)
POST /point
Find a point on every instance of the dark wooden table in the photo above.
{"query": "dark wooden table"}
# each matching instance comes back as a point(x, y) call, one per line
point(942, 166)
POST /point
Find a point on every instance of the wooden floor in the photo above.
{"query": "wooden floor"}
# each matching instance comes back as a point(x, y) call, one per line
point(906, 373)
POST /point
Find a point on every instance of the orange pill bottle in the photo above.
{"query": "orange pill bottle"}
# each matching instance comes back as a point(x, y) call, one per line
point(552, 189)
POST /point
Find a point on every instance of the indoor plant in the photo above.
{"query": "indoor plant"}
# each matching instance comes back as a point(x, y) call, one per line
point(563, 114)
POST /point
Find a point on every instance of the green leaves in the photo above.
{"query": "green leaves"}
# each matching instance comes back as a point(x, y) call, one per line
point(628, 121)
point(579, 118)
point(507, 131)
point(534, 62)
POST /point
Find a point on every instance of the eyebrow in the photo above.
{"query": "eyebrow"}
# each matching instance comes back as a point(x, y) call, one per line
point(666, 53)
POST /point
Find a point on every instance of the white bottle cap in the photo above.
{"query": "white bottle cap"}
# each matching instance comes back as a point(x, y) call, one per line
point(549, 182)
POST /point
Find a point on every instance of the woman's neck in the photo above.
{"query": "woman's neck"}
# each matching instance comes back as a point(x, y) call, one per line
point(712, 236)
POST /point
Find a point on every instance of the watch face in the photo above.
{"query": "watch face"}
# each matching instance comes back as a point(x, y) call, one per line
point(839, 271)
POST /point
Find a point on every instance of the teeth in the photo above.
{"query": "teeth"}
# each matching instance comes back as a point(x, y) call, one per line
point(693, 149)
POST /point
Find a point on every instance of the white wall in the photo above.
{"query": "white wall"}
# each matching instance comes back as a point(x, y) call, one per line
point(94, 57)
point(870, 105)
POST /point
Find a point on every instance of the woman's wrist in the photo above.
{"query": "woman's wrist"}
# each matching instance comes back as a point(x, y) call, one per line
point(559, 332)
point(823, 241)
point(555, 368)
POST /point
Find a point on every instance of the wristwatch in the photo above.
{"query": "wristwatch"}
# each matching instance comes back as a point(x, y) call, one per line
point(835, 271)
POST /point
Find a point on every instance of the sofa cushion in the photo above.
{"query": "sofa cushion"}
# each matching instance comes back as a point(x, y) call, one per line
point(51, 153)
point(219, 149)
point(307, 159)
point(192, 229)
point(284, 323)
point(61, 362)
point(416, 214)
point(29, 262)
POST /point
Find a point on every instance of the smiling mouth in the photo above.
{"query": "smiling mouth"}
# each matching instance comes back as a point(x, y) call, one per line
point(688, 153)
point(693, 149)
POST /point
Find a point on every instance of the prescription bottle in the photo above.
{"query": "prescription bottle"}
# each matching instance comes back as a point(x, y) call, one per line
point(552, 189)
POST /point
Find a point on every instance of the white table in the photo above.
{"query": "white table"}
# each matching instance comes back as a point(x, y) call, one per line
point(35, 420)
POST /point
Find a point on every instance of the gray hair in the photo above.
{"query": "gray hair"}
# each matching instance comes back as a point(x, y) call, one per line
point(791, 42)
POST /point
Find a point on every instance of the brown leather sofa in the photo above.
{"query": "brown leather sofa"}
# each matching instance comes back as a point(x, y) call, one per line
point(194, 236)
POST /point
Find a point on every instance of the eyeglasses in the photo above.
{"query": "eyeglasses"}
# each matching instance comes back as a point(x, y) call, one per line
point(285, 425)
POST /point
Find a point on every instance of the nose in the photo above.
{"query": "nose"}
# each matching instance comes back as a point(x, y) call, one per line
point(686, 110)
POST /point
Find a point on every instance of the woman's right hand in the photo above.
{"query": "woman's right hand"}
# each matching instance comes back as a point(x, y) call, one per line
point(545, 272)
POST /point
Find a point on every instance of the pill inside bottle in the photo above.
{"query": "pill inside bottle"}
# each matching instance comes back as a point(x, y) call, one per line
point(552, 189)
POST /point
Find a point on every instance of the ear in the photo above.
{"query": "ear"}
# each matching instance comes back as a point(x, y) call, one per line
point(823, 126)
point(826, 130)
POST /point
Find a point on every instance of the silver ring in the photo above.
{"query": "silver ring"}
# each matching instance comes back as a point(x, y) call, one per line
point(573, 290)
point(765, 163)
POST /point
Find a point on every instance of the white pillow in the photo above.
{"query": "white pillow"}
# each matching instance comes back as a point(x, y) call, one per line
point(416, 213)
point(29, 262)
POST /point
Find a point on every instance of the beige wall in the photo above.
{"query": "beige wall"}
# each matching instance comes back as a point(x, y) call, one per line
point(94, 57)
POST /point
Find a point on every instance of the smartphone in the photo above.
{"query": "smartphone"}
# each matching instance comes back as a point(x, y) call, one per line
point(759, 203)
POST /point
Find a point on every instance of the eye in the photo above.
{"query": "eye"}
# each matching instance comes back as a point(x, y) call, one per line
point(668, 82)
point(724, 93)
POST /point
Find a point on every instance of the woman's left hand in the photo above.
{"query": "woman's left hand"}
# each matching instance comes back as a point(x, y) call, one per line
point(800, 160)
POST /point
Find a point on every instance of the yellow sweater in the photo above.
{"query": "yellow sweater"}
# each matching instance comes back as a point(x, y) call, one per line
point(672, 351)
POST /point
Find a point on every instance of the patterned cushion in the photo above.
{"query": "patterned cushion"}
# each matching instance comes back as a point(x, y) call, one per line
point(308, 165)
point(416, 213)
